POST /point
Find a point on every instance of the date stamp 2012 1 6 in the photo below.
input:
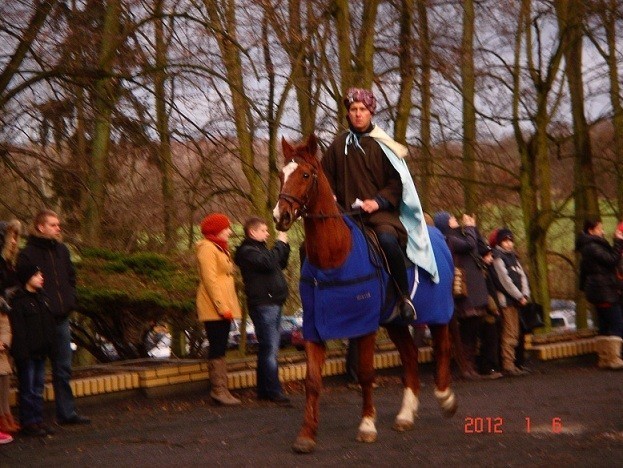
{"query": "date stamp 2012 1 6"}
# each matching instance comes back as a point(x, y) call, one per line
point(495, 425)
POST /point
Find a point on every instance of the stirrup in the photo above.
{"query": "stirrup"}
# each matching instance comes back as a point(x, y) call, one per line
point(403, 313)
point(407, 310)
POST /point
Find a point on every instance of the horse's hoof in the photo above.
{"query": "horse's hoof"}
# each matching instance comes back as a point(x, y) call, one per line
point(367, 437)
point(303, 445)
point(402, 426)
point(451, 410)
point(447, 401)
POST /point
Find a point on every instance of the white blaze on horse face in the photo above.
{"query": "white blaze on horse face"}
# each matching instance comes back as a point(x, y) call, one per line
point(287, 170)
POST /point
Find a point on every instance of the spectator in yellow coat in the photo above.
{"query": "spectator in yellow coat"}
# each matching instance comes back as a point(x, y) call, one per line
point(217, 301)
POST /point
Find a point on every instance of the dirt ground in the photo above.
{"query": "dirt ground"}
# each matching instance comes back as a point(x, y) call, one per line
point(566, 413)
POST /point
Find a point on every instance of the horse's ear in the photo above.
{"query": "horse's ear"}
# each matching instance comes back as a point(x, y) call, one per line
point(312, 144)
point(287, 149)
point(311, 148)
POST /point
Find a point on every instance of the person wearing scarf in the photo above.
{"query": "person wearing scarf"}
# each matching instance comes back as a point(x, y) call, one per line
point(367, 170)
point(217, 301)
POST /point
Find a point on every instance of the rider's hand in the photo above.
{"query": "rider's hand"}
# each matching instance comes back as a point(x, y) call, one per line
point(370, 206)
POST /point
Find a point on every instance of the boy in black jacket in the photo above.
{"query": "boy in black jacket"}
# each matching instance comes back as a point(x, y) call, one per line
point(266, 289)
point(33, 341)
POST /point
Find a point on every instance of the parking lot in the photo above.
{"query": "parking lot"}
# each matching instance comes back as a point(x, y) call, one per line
point(566, 413)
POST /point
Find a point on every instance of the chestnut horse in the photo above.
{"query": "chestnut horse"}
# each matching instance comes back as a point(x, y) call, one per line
point(305, 192)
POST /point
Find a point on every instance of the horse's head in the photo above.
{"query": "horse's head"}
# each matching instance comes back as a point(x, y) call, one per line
point(299, 182)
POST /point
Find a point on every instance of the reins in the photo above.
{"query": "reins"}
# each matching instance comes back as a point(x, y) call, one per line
point(342, 214)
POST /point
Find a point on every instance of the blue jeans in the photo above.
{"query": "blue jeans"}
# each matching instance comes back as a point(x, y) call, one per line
point(31, 379)
point(61, 373)
point(266, 320)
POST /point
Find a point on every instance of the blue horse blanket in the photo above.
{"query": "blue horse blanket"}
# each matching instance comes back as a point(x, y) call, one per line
point(349, 301)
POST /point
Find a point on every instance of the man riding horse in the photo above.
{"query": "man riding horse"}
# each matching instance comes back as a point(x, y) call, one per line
point(364, 169)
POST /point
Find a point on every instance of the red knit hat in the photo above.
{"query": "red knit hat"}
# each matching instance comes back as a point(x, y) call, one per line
point(493, 237)
point(214, 223)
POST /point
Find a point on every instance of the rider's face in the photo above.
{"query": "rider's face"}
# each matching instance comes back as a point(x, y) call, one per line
point(359, 116)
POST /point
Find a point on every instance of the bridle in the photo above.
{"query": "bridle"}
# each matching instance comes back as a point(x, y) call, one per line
point(304, 200)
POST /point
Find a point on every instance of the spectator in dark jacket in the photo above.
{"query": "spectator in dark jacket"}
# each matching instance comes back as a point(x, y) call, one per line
point(492, 323)
point(266, 290)
point(33, 341)
point(44, 248)
point(598, 280)
point(470, 309)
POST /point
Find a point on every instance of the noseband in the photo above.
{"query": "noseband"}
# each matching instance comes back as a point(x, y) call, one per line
point(306, 197)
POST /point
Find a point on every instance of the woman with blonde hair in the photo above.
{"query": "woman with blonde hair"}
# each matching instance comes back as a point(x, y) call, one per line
point(10, 233)
point(217, 301)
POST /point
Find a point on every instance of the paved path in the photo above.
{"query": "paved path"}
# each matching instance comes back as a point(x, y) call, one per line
point(566, 413)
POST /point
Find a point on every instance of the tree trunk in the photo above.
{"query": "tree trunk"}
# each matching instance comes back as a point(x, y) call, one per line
point(570, 15)
point(535, 174)
point(295, 40)
point(222, 15)
point(364, 56)
point(343, 33)
point(356, 67)
point(617, 106)
point(407, 72)
point(607, 12)
point(427, 175)
point(469, 110)
point(105, 98)
point(165, 160)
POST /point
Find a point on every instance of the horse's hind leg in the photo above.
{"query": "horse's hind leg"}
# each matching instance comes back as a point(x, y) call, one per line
point(403, 341)
point(441, 348)
point(365, 374)
point(306, 440)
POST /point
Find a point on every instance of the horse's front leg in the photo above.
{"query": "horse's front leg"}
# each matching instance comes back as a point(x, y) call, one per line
point(306, 440)
point(441, 349)
point(365, 374)
point(405, 419)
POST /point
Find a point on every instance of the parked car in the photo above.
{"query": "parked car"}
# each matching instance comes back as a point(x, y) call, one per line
point(234, 334)
point(298, 317)
point(297, 339)
point(286, 328)
point(562, 321)
point(158, 342)
point(563, 315)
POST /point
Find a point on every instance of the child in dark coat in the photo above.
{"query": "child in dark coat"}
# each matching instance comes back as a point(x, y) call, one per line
point(33, 341)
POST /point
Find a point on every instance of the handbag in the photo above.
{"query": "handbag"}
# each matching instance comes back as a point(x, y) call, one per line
point(530, 317)
point(459, 285)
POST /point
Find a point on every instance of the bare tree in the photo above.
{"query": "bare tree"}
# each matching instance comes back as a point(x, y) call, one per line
point(106, 94)
point(535, 177)
point(468, 88)
point(606, 15)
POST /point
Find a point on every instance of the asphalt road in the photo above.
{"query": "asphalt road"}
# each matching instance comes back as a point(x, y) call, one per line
point(566, 413)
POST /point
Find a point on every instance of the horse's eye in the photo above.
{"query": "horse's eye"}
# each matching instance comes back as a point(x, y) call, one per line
point(305, 175)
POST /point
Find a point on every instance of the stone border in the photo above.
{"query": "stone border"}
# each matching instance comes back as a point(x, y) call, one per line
point(170, 376)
